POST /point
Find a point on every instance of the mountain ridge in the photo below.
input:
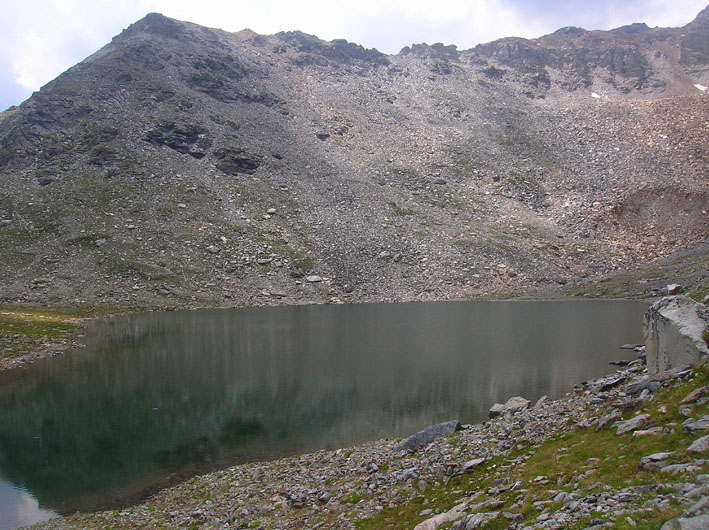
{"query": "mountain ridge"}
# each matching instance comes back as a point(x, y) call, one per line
point(188, 166)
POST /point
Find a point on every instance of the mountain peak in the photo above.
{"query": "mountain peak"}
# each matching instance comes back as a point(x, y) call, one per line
point(157, 24)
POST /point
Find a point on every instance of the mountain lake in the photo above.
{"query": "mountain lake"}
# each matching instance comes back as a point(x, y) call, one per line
point(156, 398)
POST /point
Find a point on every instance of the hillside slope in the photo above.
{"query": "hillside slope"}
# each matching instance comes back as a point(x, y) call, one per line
point(187, 166)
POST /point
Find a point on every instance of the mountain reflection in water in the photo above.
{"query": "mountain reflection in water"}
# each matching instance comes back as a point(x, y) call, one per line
point(157, 397)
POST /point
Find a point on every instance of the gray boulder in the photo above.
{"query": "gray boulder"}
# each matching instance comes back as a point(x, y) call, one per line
point(514, 404)
point(517, 403)
point(608, 419)
point(476, 520)
point(700, 445)
point(674, 288)
point(427, 435)
point(692, 427)
point(673, 333)
point(470, 465)
point(496, 410)
point(700, 522)
point(633, 424)
point(655, 461)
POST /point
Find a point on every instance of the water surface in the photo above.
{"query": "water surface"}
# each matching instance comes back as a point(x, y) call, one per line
point(157, 397)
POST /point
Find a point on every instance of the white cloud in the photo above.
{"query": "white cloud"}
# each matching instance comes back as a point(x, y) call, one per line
point(42, 39)
point(663, 13)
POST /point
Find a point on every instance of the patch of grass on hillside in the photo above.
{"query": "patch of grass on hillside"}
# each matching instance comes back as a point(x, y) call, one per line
point(400, 210)
point(700, 292)
point(87, 240)
point(143, 270)
point(299, 259)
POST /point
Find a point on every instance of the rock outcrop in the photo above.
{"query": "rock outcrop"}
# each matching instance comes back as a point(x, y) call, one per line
point(673, 333)
point(428, 435)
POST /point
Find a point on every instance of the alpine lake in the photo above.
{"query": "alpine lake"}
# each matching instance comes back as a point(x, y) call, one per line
point(158, 397)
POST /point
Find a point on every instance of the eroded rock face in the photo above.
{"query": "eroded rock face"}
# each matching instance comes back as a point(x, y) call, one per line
point(673, 333)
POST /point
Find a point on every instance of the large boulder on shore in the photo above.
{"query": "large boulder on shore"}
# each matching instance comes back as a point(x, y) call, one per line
point(673, 333)
point(514, 404)
point(427, 435)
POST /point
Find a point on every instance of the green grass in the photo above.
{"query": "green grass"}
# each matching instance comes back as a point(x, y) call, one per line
point(400, 210)
point(700, 291)
point(353, 498)
point(87, 240)
point(299, 259)
point(26, 330)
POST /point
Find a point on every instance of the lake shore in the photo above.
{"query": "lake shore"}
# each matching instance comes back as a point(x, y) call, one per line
point(563, 463)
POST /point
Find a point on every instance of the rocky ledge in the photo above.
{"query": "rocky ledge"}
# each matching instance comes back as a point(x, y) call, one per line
point(624, 451)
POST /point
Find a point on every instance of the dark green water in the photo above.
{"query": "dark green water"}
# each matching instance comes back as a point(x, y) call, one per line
point(157, 397)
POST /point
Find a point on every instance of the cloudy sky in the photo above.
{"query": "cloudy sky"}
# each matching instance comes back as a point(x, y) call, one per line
point(39, 39)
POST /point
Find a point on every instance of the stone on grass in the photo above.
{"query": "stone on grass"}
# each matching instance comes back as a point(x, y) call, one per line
point(695, 395)
point(607, 419)
point(699, 445)
point(674, 288)
point(442, 518)
point(698, 508)
point(514, 404)
point(681, 468)
point(654, 461)
point(701, 522)
point(638, 386)
point(633, 424)
point(655, 431)
point(696, 426)
point(470, 465)
point(476, 520)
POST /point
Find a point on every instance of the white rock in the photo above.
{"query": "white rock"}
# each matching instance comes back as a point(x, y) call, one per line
point(516, 403)
point(443, 518)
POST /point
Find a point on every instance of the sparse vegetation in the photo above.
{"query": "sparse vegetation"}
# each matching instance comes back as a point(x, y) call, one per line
point(24, 331)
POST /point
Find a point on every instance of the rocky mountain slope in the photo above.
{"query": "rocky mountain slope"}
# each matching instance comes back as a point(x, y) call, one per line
point(186, 166)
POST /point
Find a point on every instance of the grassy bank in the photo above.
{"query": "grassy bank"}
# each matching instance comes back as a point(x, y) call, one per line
point(25, 331)
point(28, 333)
